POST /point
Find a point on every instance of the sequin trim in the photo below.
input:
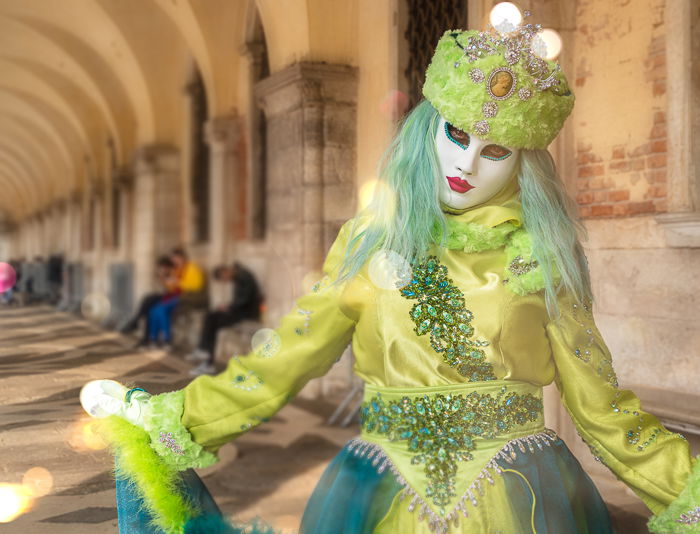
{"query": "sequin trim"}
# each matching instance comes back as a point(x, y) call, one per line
point(441, 524)
point(633, 436)
point(604, 367)
point(441, 312)
point(440, 429)
point(690, 517)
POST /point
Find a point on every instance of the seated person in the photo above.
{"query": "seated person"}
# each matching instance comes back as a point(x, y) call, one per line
point(188, 280)
point(164, 277)
point(245, 304)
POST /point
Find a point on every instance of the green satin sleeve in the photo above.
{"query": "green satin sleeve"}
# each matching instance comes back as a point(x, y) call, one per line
point(311, 339)
point(652, 461)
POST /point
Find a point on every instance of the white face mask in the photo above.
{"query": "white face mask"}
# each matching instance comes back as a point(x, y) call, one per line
point(472, 170)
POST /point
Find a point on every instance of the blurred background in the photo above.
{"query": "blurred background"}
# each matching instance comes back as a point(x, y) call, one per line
point(250, 130)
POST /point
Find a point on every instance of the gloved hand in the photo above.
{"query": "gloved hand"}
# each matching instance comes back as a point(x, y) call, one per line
point(102, 398)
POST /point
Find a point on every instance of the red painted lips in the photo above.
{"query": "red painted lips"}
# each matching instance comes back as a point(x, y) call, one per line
point(459, 185)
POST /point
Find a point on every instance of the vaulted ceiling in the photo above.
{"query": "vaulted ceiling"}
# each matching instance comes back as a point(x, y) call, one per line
point(84, 82)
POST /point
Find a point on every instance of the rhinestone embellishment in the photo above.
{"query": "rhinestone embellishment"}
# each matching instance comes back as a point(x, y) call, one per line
point(520, 267)
point(690, 517)
point(524, 93)
point(481, 127)
point(512, 56)
point(441, 312)
point(490, 109)
point(307, 321)
point(440, 523)
point(247, 382)
point(604, 367)
point(476, 75)
point(166, 438)
point(440, 430)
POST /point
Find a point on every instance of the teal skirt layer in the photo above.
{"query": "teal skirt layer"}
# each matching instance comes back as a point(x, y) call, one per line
point(351, 497)
point(564, 497)
point(547, 489)
point(133, 518)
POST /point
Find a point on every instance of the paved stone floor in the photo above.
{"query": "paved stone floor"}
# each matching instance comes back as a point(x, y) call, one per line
point(45, 358)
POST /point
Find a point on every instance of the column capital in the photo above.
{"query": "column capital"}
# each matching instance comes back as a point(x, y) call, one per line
point(155, 156)
point(76, 197)
point(122, 177)
point(222, 132)
point(307, 83)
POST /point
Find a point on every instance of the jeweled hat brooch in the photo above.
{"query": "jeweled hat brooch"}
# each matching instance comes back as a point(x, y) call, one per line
point(499, 85)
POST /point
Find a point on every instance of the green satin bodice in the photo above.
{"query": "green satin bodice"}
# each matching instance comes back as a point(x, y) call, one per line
point(518, 341)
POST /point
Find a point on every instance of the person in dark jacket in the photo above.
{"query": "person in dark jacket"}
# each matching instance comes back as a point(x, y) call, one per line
point(245, 304)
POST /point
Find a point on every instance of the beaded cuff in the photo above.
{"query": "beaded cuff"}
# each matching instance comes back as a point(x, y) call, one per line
point(682, 516)
point(169, 438)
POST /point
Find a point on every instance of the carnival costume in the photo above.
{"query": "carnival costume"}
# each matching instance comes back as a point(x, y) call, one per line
point(453, 359)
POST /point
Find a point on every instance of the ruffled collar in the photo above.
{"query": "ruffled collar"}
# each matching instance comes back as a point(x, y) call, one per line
point(494, 225)
point(483, 227)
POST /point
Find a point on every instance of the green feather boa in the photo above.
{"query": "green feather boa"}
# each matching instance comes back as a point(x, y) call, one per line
point(155, 481)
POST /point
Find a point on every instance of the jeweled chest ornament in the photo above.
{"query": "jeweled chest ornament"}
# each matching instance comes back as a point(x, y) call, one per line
point(441, 312)
point(441, 429)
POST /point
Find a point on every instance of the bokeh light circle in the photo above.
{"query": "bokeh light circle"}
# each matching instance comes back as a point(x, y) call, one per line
point(394, 105)
point(101, 398)
point(95, 307)
point(15, 499)
point(38, 481)
point(379, 194)
point(505, 17)
point(266, 342)
point(388, 270)
point(547, 44)
point(8, 277)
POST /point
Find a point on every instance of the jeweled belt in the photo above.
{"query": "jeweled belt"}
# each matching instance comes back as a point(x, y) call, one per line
point(441, 427)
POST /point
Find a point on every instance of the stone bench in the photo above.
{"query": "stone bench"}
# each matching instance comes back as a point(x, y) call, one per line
point(235, 340)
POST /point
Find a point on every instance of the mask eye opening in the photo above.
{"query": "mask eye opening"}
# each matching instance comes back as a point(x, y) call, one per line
point(498, 148)
point(449, 136)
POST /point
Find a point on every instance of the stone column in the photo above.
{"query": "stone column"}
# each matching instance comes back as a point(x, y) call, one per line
point(157, 211)
point(225, 208)
point(310, 169)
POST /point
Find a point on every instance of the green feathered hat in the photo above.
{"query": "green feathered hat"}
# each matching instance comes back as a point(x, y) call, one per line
point(497, 87)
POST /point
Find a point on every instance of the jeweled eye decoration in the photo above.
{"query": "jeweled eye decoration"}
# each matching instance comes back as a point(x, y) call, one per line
point(457, 136)
point(495, 152)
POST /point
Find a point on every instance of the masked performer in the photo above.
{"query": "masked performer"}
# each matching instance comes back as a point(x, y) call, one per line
point(491, 301)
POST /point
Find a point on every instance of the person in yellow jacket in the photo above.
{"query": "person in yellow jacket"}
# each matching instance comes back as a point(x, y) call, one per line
point(463, 290)
point(187, 282)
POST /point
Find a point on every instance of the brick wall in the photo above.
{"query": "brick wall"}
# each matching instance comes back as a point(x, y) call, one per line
point(621, 154)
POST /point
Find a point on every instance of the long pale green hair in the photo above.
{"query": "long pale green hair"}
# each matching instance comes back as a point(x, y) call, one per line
point(405, 217)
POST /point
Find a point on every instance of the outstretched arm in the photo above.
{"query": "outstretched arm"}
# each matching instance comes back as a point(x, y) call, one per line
point(654, 462)
point(188, 426)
